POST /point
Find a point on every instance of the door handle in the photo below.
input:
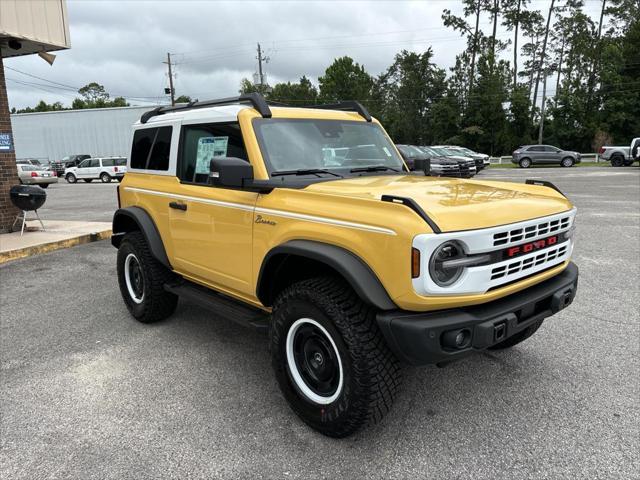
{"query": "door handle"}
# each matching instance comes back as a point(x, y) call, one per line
point(178, 206)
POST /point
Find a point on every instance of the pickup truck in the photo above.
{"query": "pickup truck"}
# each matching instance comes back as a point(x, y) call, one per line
point(621, 156)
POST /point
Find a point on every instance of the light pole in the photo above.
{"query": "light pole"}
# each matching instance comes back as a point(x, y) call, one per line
point(548, 69)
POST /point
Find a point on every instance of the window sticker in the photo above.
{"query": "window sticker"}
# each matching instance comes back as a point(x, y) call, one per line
point(209, 147)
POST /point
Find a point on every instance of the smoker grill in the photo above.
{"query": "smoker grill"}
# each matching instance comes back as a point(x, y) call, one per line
point(27, 199)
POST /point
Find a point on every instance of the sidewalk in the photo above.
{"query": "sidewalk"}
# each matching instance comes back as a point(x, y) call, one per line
point(59, 234)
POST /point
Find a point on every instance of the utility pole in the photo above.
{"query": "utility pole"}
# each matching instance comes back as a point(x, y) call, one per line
point(260, 60)
point(544, 100)
point(171, 91)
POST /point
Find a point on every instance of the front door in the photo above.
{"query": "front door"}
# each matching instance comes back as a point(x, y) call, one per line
point(86, 168)
point(211, 227)
point(552, 154)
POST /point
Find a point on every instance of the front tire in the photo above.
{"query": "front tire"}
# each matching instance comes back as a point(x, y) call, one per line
point(71, 178)
point(105, 178)
point(142, 278)
point(329, 357)
point(525, 163)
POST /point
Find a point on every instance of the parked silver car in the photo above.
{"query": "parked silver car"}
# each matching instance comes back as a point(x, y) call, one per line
point(35, 175)
point(528, 155)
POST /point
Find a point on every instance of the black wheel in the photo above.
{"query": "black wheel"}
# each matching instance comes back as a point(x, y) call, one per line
point(329, 357)
point(44, 185)
point(88, 180)
point(567, 162)
point(518, 337)
point(105, 177)
point(141, 278)
point(71, 178)
point(120, 179)
point(525, 163)
point(617, 160)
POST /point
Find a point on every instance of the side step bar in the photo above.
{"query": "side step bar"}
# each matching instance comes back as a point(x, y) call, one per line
point(221, 304)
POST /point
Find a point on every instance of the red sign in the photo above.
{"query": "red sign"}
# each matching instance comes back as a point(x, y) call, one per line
point(531, 246)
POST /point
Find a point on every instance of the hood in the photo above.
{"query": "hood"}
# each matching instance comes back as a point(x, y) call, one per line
point(455, 204)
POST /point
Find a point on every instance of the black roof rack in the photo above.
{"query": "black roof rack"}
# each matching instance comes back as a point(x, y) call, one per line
point(348, 106)
point(255, 99)
point(259, 103)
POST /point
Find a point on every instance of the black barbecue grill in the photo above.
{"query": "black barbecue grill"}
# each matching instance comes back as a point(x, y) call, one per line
point(27, 199)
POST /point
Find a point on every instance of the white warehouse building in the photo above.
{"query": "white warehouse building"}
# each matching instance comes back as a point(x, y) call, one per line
point(94, 131)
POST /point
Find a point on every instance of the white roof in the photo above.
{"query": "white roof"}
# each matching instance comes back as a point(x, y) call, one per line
point(221, 113)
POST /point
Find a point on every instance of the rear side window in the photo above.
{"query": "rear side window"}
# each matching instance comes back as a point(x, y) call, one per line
point(151, 147)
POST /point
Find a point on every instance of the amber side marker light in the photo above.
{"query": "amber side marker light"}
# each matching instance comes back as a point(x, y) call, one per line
point(415, 263)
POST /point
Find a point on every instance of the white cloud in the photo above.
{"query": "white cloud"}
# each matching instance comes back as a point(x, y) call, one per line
point(122, 44)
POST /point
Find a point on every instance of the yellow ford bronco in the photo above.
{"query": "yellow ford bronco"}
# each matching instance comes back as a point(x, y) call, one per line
point(306, 222)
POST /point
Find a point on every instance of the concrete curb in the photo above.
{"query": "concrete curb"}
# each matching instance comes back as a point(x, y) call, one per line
point(56, 245)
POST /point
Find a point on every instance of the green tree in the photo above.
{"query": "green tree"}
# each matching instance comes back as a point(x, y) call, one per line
point(301, 93)
point(247, 86)
point(486, 105)
point(410, 87)
point(183, 99)
point(93, 93)
point(345, 79)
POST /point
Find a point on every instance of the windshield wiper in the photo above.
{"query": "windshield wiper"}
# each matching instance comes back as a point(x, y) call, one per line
point(373, 168)
point(304, 171)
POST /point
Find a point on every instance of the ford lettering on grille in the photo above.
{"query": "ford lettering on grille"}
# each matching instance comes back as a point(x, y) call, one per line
point(530, 247)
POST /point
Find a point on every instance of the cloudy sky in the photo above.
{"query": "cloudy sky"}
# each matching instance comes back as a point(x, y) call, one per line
point(122, 44)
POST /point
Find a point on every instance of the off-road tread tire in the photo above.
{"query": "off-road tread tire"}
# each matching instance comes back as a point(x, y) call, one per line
point(376, 374)
point(518, 337)
point(157, 304)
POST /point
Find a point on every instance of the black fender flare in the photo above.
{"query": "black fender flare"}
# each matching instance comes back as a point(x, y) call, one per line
point(135, 218)
point(354, 270)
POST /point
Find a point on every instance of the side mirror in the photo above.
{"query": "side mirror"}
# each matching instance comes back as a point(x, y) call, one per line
point(230, 172)
point(422, 164)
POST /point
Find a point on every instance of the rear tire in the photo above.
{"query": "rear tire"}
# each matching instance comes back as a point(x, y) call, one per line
point(71, 178)
point(105, 178)
point(524, 163)
point(142, 278)
point(518, 337)
point(617, 160)
point(567, 162)
point(329, 357)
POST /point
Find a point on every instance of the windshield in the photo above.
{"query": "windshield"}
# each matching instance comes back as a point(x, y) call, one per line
point(429, 151)
point(335, 146)
point(442, 151)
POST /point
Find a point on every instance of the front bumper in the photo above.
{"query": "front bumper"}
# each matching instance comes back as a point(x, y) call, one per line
point(417, 338)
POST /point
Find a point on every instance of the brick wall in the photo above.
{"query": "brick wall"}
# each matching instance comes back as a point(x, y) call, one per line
point(8, 171)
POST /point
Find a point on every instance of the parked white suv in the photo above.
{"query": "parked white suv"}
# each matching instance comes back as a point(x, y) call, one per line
point(103, 168)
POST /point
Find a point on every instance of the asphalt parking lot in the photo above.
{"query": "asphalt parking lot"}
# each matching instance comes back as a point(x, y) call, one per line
point(89, 393)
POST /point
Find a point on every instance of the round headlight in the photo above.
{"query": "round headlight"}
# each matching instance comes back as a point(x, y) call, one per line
point(447, 251)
